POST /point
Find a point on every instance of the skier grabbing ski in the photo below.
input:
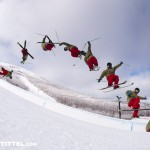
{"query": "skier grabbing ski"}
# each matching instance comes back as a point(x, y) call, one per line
point(110, 75)
point(89, 59)
point(133, 100)
point(148, 127)
point(75, 52)
point(6, 73)
point(47, 46)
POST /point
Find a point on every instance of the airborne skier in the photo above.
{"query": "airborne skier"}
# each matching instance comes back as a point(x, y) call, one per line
point(24, 52)
point(133, 100)
point(47, 46)
point(110, 75)
point(6, 73)
point(89, 59)
point(73, 49)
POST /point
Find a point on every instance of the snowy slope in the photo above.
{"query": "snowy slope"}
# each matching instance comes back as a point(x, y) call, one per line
point(59, 127)
point(29, 115)
point(37, 85)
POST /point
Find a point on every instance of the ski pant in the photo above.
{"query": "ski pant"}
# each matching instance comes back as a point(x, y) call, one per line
point(92, 61)
point(113, 78)
point(4, 72)
point(24, 58)
point(134, 103)
point(47, 46)
point(74, 52)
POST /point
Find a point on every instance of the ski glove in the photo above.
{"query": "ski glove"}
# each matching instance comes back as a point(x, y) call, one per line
point(89, 42)
point(129, 93)
point(145, 98)
point(60, 44)
point(99, 80)
point(121, 63)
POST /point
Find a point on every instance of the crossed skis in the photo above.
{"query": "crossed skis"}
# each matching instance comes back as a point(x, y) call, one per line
point(25, 48)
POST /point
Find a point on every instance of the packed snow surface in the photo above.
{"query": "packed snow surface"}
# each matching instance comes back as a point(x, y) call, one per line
point(33, 117)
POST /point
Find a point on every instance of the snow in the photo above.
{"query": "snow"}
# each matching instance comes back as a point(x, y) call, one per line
point(32, 116)
point(54, 88)
point(27, 122)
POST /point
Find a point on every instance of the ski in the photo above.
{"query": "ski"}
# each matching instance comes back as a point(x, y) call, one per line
point(113, 85)
point(97, 68)
point(25, 44)
point(30, 55)
point(47, 42)
point(20, 45)
point(118, 88)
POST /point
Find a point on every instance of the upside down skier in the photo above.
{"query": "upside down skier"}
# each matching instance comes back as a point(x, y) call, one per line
point(89, 59)
point(6, 73)
point(75, 52)
point(25, 52)
point(110, 75)
point(47, 46)
point(25, 55)
point(133, 100)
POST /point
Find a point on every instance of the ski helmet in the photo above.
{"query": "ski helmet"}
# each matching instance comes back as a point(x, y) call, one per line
point(109, 64)
point(65, 49)
point(83, 53)
point(137, 90)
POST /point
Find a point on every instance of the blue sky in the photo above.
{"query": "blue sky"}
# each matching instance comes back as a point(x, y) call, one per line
point(123, 25)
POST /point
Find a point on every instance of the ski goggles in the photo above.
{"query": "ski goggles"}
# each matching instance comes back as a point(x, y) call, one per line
point(137, 91)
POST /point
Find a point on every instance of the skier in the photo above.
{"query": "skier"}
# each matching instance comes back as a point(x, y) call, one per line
point(89, 59)
point(148, 127)
point(73, 49)
point(133, 100)
point(24, 52)
point(110, 75)
point(47, 46)
point(6, 73)
point(25, 55)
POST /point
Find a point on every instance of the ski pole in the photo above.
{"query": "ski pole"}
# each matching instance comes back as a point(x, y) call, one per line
point(39, 34)
point(53, 53)
point(57, 37)
point(53, 43)
point(90, 41)
point(127, 65)
point(28, 43)
point(75, 63)
point(95, 39)
point(84, 46)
